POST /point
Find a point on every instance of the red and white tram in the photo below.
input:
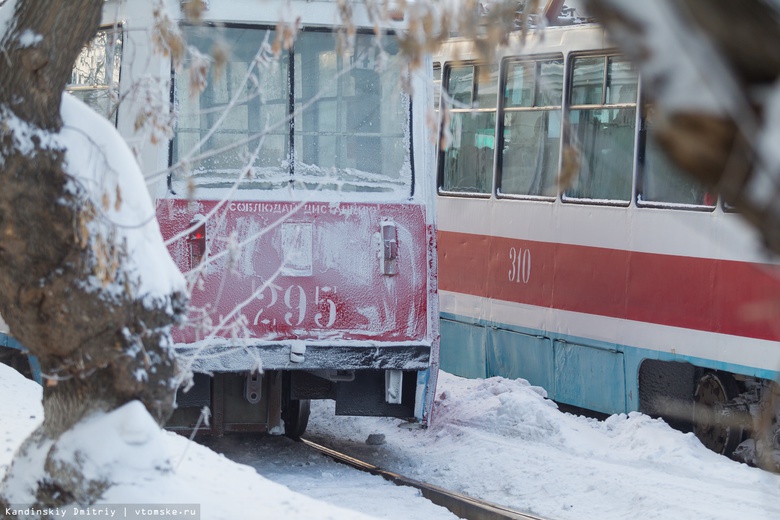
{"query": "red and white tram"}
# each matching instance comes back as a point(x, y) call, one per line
point(572, 254)
point(296, 193)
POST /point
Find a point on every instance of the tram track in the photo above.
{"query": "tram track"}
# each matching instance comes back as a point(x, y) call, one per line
point(460, 505)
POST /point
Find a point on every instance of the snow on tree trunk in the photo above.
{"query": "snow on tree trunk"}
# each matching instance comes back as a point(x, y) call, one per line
point(86, 283)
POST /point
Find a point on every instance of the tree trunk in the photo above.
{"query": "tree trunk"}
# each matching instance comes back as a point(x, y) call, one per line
point(98, 349)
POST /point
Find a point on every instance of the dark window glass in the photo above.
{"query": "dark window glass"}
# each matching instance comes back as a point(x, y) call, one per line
point(587, 84)
point(519, 90)
point(468, 161)
point(356, 130)
point(460, 86)
point(487, 87)
point(662, 181)
point(622, 79)
point(550, 91)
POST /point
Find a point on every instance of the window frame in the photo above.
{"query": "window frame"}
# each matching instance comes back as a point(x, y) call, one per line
point(606, 54)
point(499, 160)
point(291, 102)
point(444, 105)
point(117, 28)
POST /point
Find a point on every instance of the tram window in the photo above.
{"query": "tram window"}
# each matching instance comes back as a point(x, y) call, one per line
point(95, 75)
point(220, 130)
point(587, 87)
point(602, 121)
point(357, 127)
point(467, 163)
point(350, 118)
point(531, 132)
point(661, 181)
point(460, 86)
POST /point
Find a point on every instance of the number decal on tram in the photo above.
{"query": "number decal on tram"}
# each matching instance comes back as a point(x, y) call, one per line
point(295, 303)
point(520, 270)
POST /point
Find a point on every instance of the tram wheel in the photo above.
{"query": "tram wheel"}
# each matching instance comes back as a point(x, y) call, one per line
point(296, 417)
point(715, 428)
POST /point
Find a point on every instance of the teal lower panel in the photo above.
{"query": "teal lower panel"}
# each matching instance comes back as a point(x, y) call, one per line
point(588, 377)
point(579, 371)
point(463, 348)
point(517, 355)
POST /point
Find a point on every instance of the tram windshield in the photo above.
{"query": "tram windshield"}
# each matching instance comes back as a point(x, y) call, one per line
point(313, 118)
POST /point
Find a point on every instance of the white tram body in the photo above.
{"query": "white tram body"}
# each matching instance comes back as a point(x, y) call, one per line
point(572, 254)
point(295, 189)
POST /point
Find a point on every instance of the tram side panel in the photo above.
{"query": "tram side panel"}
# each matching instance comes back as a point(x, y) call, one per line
point(608, 294)
point(610, 302)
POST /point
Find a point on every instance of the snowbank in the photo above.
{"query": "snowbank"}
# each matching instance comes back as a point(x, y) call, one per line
point(150, 466)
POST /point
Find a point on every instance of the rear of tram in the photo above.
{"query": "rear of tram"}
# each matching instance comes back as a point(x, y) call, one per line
point(298, 201)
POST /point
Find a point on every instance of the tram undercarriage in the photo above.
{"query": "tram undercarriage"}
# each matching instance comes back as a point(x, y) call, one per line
point(277, 401)
point(733, 415)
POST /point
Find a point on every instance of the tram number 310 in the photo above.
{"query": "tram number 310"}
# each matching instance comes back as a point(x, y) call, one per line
point(520, 270)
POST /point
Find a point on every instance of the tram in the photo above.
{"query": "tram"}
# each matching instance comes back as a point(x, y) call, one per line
point(574, 255)
point(293, 177)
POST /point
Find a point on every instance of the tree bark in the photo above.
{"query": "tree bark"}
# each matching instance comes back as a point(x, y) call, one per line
point(92, 344)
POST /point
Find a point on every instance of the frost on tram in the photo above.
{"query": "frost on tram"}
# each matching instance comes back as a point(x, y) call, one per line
point(295, 192)
point(573, 255)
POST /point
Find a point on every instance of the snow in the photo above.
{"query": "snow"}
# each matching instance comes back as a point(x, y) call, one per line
point(500, 440)
point(26, 136)
point(497, 439)
point(102, 164)
point(7, 9)
point(149, 466)
point(28, 38)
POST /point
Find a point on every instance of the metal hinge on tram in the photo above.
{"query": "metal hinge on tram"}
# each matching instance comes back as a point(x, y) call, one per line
point(253, 387)
point(389, 257)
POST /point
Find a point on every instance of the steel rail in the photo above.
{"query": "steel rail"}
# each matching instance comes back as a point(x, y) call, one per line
point(460, 505)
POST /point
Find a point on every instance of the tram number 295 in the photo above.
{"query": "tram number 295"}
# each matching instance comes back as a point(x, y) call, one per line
point(520, 269)
point(294, 300)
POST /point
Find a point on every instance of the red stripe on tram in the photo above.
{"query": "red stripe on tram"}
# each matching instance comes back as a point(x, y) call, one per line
point(705, 294)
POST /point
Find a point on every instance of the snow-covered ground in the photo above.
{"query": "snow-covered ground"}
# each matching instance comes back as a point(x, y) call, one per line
point(494, 439)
